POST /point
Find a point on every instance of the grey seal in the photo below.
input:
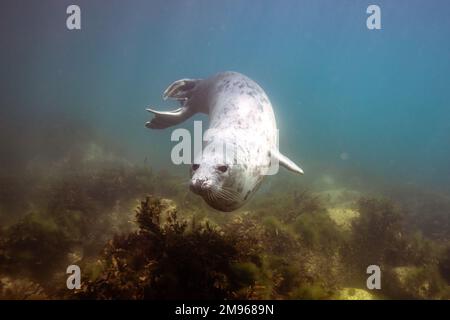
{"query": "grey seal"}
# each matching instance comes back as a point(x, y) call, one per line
point(241, 119)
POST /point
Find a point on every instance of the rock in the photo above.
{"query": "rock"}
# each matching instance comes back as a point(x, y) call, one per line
point(354, 294)
point(343, 217)
point(339, 197)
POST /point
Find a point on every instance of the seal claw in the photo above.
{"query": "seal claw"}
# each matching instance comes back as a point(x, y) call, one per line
point(181, 89)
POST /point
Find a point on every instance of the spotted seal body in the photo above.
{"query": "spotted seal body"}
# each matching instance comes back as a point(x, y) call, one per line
point(241, 142)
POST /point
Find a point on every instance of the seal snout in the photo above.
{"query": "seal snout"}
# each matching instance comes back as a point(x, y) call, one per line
point(199, 185)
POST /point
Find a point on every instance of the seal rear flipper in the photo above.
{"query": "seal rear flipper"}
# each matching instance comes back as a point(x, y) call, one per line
point(165, 119)
point(286, 162)
point(181, 89)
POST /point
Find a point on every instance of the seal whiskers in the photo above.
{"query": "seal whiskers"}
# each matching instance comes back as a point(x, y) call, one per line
point(228, 194)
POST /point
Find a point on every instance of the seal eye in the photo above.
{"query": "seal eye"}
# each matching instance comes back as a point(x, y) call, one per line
point(195, 166)
point(222, 168)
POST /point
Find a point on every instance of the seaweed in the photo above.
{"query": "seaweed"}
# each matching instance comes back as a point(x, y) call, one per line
point(164, 260)
point(284, 245)
point(33, 248)
point(444, 265)
point(408, 260)
point(378, 236)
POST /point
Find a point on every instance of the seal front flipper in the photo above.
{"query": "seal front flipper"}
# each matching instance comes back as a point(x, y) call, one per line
point(285, 161)
point(181, 89)
point(165, 119)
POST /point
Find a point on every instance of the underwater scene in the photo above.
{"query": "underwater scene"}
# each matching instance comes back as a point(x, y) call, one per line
point(337, 112)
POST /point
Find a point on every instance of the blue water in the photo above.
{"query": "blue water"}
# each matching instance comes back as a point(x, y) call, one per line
point(367, 102)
